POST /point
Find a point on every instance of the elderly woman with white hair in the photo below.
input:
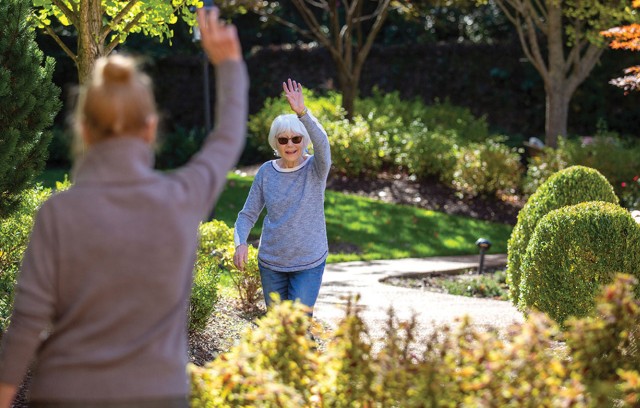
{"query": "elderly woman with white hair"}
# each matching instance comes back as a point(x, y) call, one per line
point(293, 246)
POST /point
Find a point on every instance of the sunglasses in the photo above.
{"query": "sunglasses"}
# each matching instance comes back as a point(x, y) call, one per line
point(284, 140)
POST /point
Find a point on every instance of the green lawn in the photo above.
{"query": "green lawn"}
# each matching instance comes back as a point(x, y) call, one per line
point(371, 229)
point(377, 230)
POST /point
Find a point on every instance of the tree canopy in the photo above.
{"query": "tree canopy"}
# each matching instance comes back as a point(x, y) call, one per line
point(101, 25)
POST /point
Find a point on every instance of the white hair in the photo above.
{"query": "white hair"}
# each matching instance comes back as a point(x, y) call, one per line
point(288, 123)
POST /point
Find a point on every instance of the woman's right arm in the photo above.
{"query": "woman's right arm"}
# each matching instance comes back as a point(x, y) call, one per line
point(247, 218)
point(203, 178)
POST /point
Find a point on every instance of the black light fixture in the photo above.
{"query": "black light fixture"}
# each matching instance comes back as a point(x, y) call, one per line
point(484, 245)
point(205, 76)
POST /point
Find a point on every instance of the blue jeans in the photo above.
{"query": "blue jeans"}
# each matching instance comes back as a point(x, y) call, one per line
point(301, 285)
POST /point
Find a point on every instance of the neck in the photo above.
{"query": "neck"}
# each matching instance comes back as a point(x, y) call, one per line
point(290, 164)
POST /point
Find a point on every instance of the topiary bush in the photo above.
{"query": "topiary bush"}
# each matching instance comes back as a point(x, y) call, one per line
point(569, 186)
point(486, 168)
point(575, 251)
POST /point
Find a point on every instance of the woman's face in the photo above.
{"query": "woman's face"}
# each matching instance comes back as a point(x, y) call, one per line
point(290, 152)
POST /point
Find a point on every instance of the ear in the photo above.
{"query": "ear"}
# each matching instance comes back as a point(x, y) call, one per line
point(150, 130)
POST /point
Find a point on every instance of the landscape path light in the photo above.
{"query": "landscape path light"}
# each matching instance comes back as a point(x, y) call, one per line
point(484, 245)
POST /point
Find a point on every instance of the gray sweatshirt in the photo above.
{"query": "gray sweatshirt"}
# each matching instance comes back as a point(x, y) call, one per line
point(103, 292)
point(294, 233)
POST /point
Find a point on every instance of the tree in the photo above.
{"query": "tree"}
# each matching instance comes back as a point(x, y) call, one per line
point(100, 25)
point(29, 102)
point(346, 28)
point(561, 39)
point(626, 38)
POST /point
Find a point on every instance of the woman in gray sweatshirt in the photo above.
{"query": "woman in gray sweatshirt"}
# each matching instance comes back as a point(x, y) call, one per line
point(103, 293)
point(293, 246)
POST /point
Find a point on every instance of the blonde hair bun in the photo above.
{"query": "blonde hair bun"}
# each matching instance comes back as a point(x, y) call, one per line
point(116, 69)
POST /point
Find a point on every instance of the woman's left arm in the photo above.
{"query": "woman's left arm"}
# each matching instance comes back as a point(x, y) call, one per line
point(321, 148)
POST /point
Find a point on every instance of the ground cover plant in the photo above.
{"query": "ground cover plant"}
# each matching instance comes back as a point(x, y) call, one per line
point(490, 284)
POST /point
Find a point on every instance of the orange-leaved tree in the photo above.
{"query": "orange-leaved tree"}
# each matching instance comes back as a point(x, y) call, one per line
point(626, 38)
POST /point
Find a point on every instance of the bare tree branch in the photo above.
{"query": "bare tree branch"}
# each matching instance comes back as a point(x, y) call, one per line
point(377, 26)
point(62, 45)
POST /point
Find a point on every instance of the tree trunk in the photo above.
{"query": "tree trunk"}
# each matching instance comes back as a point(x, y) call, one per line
point(89, 47)
point(348, 88)
point(557, 112)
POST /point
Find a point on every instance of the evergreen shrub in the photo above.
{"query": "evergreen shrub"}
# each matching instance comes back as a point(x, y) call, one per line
point(569, 186)
point(276, 364)
point(29, 102)
point(544, 165)
point(176, 148)
point(487, 168)
point(573, 252)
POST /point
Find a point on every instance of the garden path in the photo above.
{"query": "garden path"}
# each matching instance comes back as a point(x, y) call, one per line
point(431, 309)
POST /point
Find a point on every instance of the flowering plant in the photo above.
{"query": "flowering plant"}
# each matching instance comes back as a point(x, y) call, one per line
point(630, 196)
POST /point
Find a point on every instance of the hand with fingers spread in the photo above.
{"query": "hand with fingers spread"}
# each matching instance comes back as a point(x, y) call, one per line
point(219, 40)
point(293, 93)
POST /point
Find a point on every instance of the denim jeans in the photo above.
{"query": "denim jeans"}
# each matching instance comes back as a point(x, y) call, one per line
point(301, 285)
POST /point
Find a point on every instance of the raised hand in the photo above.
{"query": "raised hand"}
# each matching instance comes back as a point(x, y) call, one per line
point(219, 40)
point(293, 93)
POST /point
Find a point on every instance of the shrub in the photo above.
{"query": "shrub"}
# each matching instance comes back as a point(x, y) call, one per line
point(14, 237)
point(616, 159)
point(487, 168)
point(630, 196)
point(276, 364)
point(543, 166)
point(431, 153)
point(573, 252)
point(273, 366)
point(606, 347)
point(355, 151)
point(29, 101)
point(248, 283)
point(567, 187)
point(214, 237)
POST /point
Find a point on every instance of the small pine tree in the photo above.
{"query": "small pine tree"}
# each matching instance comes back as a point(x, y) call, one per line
point(29, 102)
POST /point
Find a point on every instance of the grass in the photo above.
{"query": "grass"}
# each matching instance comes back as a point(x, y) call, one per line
point(374, 230)
point(368, 229)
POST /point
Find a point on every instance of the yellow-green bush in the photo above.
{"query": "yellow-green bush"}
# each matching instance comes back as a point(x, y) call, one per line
point(277, 365)
point(214, 239)
point(573, 252)
point(605, 348)
point(570, 186)
point(487, 168)
point(14, 237)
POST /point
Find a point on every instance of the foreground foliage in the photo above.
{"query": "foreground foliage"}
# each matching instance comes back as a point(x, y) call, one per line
point(277, 364)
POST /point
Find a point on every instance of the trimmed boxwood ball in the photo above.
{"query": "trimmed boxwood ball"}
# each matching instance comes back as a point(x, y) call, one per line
point(575, 251)
point(573, 185)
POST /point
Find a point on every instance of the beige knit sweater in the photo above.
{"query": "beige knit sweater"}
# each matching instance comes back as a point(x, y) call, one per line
point(103, 293)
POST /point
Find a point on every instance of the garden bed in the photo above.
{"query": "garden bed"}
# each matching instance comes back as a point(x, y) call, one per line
point(491, 284)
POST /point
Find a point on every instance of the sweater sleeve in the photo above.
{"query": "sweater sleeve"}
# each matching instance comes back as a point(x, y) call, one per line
point(320, 140)
point(34, 303)
point(249, 214)
point(204, 176)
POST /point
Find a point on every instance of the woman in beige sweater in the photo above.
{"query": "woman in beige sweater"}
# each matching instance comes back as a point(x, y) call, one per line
point(102, 296)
